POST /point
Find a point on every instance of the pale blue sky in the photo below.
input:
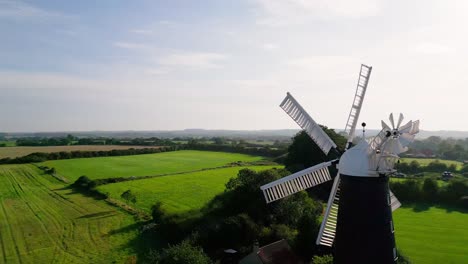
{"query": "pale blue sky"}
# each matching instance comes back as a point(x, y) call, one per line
point(162, 65)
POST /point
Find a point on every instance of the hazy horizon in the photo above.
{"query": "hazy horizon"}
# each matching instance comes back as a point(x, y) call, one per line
point(169, 65)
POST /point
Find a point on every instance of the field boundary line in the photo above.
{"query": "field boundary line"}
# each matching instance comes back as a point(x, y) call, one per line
point(135, 178)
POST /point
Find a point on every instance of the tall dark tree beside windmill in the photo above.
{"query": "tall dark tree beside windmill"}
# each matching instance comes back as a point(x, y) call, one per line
point(358, 220)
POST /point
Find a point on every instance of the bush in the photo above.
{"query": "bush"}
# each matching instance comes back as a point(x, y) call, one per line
point(129, 196)
point(409, 190)
point(182, 253)
point(436, 166)
point(430, 190)
point(454, 191)
point(157, 212)
point(325, 259)
point(84, 183)
point(464, 202)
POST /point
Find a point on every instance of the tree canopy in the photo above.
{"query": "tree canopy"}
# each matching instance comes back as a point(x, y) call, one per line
point(304, 152)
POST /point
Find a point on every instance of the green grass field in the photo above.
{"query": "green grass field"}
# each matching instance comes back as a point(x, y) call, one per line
point(8, 143)
point(178, 193)
point(144, 165)
point(432, 236)
point(43, 222)
point(424, 162)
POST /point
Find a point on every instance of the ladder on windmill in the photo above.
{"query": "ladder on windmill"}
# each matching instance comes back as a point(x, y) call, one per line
point(363, 79)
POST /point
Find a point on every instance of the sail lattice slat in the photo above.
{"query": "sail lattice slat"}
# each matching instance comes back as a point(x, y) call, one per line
point(361, 88)
point(296, 182)
point(327, 231)
point(302, 118)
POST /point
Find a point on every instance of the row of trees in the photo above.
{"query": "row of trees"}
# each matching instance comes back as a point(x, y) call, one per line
point(455, 193)
point(450, 148)
point(72, 140)
point(41, 156)
point(266, 151)
point(414, 167)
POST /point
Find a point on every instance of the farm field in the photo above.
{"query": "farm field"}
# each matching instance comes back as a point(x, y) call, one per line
point(8, 143)
point(178, 193)
point(424, 162)
point(13, 152)
point(144, 165)
point(432, 236)
point(43, 222)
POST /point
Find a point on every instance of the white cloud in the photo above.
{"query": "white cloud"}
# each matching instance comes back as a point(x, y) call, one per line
point(432, 48)
point(199, 60)
point(270, 46)
point(20, 10)
point(165, 22)
point(142, 31)
point(44, 81)
point(156, 71)
point(286, 12)
point(129, 45)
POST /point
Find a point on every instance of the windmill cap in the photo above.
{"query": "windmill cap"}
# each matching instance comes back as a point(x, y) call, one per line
point(355, 161)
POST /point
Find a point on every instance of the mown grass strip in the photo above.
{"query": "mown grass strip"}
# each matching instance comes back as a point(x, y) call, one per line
point(432, 235)
point(178, 193)
point(42, 221)
point(142, 165)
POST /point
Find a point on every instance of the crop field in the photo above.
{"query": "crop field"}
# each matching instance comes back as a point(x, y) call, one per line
point(145, 165)
point(13, 152)
point(178, 193)
point(43, 222)
point(432, 235)
point(424, 162)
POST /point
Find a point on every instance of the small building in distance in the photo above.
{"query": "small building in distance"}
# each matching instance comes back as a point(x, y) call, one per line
point(278, 252)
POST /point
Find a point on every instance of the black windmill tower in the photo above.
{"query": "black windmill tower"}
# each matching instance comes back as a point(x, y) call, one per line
point(358, 220)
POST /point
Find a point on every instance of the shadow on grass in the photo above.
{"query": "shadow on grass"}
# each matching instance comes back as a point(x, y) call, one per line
point(68, 187)
point(98, 215)
point(420, 207)
point(129, 228)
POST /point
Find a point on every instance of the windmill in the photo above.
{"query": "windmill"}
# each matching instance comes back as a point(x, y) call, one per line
point(358, 219)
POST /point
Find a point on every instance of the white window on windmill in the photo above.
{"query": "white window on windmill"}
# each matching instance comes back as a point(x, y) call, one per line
point(395, 257)
point(391, 227)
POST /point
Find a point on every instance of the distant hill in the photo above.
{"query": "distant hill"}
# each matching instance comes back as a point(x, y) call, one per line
point(269, 134)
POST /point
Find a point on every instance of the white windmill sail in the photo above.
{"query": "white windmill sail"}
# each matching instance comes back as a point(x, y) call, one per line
point(394, 203)
point(377, 141)
point(302, 118)
point(296, 182)
point(353, 117)
point(328, 227)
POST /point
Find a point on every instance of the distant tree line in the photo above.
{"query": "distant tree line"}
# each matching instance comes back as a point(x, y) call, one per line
point(454, 193)
point(72, 140)
point(41, 156)
point(265, 151)
point(450, 148)
point(415, 167)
